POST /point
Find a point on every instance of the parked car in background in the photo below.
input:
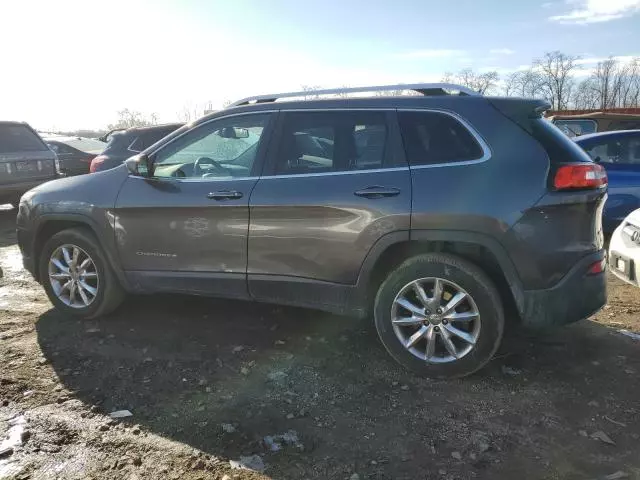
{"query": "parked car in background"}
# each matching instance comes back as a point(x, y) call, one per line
point(439, 216)
point(74, 153)
point(577, 125)
point(624, 249)
point(25, 161)
point(122, 144)
point(619, 153)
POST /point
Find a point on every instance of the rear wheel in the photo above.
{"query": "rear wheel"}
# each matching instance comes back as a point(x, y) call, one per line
point(439, 316)
point(77, 278)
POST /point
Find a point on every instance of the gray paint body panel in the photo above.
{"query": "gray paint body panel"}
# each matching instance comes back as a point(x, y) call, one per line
point(315, 227)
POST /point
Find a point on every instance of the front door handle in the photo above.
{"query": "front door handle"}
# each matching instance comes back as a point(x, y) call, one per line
point(377, 192)
point(225, 195)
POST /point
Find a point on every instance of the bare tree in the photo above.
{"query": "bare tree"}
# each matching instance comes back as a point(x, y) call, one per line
point(605, 81)
point(130, 118)
point(584, 95)
point(480, 82)
point(525, 83)
point(629, 92)
point(610, 85)
point(557, 70)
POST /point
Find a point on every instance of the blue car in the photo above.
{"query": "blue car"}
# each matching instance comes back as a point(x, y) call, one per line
point(619, 153)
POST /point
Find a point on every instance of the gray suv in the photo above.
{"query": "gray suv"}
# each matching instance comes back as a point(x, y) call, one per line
point(441, 216)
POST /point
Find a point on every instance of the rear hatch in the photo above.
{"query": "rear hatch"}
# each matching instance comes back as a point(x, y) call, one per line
point(24, 157)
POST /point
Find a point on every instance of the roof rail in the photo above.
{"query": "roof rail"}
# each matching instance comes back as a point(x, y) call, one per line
point(423, 88)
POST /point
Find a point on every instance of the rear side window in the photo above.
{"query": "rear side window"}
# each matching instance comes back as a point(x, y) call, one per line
point(19, 138)
point(615, 149)
point(318, 142)
point(432, 138)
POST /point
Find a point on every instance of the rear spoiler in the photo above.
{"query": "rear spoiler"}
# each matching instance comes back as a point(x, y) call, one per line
point(531, 107)
point(521, 110)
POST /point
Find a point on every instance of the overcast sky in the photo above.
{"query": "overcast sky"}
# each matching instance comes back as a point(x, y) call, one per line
point(69, 64)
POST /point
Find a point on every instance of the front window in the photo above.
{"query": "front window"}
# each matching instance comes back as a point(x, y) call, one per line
point(226, 148)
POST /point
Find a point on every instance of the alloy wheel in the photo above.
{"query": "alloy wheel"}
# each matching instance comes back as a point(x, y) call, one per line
point(436, 320)
point(73, 276)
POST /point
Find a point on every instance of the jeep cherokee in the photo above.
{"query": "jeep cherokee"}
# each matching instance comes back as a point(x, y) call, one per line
point(437, 214)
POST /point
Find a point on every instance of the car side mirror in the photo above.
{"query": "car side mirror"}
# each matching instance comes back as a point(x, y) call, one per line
point(139, 165)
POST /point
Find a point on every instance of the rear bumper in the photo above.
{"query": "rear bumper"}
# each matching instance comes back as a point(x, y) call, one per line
point(576, 297)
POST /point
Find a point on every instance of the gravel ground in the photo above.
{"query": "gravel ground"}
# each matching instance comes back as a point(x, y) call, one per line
point(302, 393)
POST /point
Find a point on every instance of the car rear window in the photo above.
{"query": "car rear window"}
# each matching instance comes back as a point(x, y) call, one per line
point(19, 138)
point(432, 138)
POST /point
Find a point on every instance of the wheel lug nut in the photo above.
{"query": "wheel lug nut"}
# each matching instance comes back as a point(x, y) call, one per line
point(437, 329)
point(444, 322)
point(439, 310)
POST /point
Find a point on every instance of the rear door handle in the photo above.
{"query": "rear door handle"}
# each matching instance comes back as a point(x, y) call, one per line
point(225, 195)
point(377, 191)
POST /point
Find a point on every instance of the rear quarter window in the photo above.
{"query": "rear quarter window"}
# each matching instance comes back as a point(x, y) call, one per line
point(20, 138)
point(432, 138)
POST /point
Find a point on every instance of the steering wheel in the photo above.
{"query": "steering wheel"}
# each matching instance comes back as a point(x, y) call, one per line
point(197, 169)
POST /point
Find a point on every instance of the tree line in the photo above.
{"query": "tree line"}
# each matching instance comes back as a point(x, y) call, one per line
point(554, 77)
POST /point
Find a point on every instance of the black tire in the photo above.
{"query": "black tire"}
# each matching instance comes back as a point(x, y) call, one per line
point(467, 276)
point(110, 293)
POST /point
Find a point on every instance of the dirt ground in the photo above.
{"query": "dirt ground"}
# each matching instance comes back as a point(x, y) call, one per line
point(207, 380)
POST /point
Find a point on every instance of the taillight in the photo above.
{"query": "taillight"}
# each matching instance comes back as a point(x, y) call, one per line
point(580, 176)
point(96, 162)
point(597, 267)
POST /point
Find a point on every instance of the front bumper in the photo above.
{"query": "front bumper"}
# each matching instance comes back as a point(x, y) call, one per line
point(624, 253)
point(576, 297)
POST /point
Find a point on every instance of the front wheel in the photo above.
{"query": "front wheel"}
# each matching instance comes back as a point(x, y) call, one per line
point(76, 276)
point(439, 316)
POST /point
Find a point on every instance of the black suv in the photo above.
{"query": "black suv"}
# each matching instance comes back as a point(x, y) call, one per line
point(438, 215)
point(122, 144)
